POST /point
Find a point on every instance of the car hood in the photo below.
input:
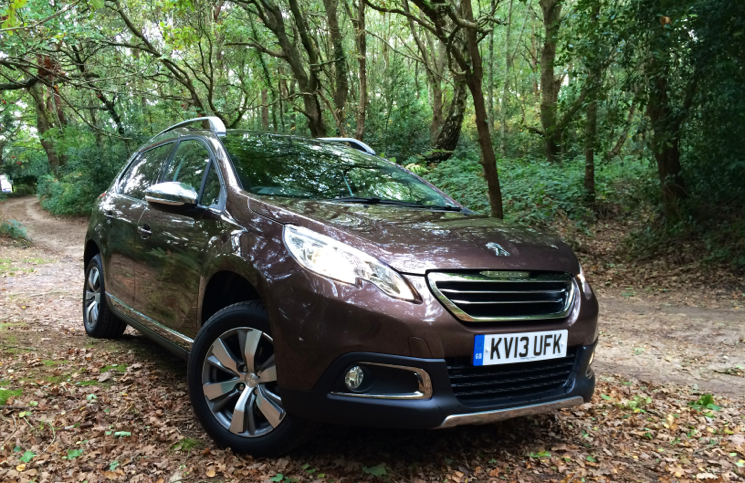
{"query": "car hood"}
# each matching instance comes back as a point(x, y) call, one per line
point(416, 241)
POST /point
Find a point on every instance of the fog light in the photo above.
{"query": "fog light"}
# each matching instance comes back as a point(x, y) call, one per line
point(354, 378)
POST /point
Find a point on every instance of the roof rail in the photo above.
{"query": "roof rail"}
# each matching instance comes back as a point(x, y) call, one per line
point(209, 123)
point(352, 143)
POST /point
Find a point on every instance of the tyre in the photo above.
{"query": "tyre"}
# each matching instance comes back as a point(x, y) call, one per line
point(233, 384)
point(98, 319)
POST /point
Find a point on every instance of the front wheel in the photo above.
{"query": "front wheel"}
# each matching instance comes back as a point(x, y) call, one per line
point(233, 383)
point(98, 319)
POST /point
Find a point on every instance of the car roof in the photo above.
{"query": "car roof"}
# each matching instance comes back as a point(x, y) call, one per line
point(213, 126)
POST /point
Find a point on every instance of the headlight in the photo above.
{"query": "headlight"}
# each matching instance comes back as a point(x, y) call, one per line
point(330, 258)
point(585, 286)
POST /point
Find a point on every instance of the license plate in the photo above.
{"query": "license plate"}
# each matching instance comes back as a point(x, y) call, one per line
point(522, 347)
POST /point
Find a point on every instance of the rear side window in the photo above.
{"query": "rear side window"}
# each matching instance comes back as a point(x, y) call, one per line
point(144, 171)
point(189, 164)
point(211, 194)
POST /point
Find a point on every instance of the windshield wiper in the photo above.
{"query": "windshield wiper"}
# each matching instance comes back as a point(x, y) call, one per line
point(356, 199)
point(445, 207)
point(410, 204)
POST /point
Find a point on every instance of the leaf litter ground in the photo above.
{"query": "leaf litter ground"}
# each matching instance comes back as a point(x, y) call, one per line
point(78, 409)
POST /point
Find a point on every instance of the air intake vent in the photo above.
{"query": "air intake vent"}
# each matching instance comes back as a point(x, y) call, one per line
point(495, 296)
point(482, 384)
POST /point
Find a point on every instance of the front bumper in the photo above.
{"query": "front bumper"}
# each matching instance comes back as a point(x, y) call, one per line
point(443, 409)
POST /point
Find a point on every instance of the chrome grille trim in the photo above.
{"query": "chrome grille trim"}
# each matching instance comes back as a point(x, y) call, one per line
point(452, 297)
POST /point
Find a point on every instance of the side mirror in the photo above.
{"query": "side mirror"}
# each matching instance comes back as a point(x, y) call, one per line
point(171, 196)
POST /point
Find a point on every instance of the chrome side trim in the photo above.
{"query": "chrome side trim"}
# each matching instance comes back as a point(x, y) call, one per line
point(518, 277)
point(158, 328)
point(153, 199)
point(487, 417)
point(424, 392)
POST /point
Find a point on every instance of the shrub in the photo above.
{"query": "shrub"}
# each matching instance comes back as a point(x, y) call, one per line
point(89, 170)
point(536, 192)
point(13, 229)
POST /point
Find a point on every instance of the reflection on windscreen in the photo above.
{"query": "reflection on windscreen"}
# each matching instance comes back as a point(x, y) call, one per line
point(283, 166)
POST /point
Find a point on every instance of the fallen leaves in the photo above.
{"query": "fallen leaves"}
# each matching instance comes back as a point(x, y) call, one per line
point(118, 411)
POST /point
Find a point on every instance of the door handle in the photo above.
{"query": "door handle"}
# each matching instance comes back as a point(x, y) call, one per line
point(145, 230)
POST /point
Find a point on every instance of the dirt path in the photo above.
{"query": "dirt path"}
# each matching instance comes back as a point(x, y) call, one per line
point(61, 235)
point(688, 338)
point(80, 409)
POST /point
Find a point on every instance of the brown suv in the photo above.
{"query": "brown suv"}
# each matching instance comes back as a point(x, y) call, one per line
point(306, 280)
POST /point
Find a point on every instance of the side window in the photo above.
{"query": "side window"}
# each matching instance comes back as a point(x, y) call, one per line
point(188, 164)
point(144, 171)
point(211, 194)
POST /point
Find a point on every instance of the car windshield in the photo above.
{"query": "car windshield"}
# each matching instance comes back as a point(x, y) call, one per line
point(290, 167)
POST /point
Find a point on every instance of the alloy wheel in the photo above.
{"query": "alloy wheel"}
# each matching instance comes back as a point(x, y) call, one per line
point(92, 296)
point(239, 382)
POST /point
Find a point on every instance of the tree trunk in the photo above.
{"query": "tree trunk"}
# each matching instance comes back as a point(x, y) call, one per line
point(340, 63)
point(362, 64)
point(665, 145)
point(274, 19)
point(616, 150)
point(590, 139)
point(591, 121)
point(505, 87)
point(474, 79)
point(264, 111)
point(550, 85)
point(437, 121)
point(447, 139)
point(491, 69)
point(43, 124)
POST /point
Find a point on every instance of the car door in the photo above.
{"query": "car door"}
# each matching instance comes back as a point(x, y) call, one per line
point(172, 246)
point(123, 210)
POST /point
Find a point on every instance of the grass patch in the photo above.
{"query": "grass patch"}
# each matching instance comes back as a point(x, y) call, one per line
point(54, 363)
point(6, 394)
point(4, 383)
point(88, 383)
point(187, 444)
point(115, 367)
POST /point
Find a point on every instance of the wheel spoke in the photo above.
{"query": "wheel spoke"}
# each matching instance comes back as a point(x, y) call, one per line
point(249, 341)
point(218, 389)
point(250, 414)
point(93, 279)
point(222, 357)
point(89, 313)
point(268, 371)
point(272, 411)
point(238, 424)
point(89, 295)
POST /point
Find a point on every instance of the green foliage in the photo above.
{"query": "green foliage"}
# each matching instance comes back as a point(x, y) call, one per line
point(27, 456)
point(92, 164)
point(6, 394)
point(536, 192)
point(706, 401)
point(73, 453)
point(377, 470)
point(13, 229)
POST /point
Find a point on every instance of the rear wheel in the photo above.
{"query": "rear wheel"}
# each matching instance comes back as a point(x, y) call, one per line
point(98, 319)
point(233, 383)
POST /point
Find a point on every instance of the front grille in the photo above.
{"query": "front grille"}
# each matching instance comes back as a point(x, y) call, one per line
point(494, 296)
point(474, 384)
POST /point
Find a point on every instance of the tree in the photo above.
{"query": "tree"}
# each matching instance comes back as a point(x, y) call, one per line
point(447, 24)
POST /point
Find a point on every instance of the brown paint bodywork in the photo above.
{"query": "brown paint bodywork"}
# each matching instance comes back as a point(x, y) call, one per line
point(316, 320)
